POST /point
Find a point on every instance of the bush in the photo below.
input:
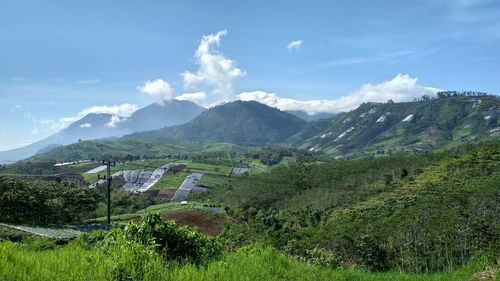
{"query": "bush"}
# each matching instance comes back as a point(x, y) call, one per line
point(174, 243)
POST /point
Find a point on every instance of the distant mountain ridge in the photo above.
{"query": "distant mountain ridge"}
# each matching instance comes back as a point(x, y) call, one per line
point(99, 126)
point(156, 116)
point(382, 128)
point(371, 129)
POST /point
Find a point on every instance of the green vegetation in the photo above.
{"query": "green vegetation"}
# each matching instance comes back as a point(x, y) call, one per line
point(146, 164)
point(173, 243)
point(42, 202)
point(209, 169)
point(130, 148)
point(271, 156)
point(287, 161)
point(91, 178)
point(378, 128)
point(422, 213)
point(122, 202)
point(170, 181)
point(257, 167)
point(213, 181)
point(425, 216)
point(238, 122)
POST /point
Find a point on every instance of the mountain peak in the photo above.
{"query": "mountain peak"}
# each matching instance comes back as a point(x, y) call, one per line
point(240, 122)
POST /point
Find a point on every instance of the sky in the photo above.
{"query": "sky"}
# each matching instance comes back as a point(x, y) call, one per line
point(60, 60)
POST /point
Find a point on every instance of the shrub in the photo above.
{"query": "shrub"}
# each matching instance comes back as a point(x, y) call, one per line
point(173, 242)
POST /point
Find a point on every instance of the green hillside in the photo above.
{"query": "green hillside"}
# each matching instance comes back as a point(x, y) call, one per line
point(385, 128)
point(239, 122)
point(420, 213)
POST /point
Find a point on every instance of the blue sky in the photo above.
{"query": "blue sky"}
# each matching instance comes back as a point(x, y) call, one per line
point(60, 59)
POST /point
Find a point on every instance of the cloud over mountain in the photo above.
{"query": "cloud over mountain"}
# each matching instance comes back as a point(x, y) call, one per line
point(159, 90)
point(200, 98)
point(400, 88)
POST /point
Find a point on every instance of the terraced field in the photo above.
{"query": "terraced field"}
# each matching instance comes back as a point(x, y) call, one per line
point(60, 233)
point(208, 169)
point(170, 181)
point(213, 181)
point(158, 208)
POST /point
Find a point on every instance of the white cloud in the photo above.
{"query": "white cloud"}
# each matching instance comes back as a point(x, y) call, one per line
point(294, 45)
point(115, 120)
point(122, 110)
point(199, 98)
point(215, 72)
point(86, 125)
point(158, 89)
point(401, 88)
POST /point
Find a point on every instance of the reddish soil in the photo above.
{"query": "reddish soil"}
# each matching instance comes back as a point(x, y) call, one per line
point(152, 192)
point(207, 223)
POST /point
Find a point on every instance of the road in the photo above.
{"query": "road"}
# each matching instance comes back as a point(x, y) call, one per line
point(96, 169)
point(183, 191)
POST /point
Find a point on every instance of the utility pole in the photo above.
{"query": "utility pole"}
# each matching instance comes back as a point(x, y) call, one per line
point(108, 177)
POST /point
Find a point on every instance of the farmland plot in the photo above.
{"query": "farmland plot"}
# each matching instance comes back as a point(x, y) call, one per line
point(61, 233)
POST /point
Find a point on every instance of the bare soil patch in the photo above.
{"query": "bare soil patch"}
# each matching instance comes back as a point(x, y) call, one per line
point(207, 223)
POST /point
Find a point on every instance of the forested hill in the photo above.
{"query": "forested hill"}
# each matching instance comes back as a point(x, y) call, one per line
point(385, 128)
point(421, 213)
point(239, 122)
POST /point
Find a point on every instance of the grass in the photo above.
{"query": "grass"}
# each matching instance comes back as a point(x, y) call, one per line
point(23, 262)
point(170, 181)
point(91, 178)
point(213, 181)
point(257, 167)
point(147, 164)
point(258, 164)
point(209, 169)
point(287, 161)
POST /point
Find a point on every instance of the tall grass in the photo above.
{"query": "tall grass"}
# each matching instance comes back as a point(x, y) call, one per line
point(71, 262)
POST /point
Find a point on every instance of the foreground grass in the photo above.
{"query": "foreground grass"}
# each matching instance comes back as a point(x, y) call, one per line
point(71, 262)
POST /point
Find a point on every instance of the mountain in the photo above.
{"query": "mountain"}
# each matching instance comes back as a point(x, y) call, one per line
point(238, 122)
point(381, 128)
point(155, 116)
point(91, 126)
point(98, 126)
point(314, 117)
